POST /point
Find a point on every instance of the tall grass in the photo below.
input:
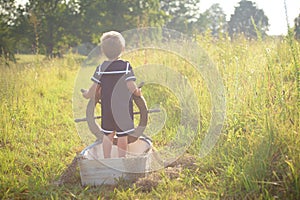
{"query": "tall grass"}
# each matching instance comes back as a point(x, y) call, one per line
point(262, 117)
point(36, 128)
point(256, 157)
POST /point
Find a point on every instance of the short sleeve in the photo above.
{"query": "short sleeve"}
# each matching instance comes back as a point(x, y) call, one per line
point(97, 74)
point(129, 75)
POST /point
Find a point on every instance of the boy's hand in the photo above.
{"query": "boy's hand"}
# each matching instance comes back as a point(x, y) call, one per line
point(90, 93)
point(85, 93)
point(138, 92)
point(134, 89)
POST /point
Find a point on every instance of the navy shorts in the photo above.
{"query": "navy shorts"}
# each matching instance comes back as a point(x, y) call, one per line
point(120, 123)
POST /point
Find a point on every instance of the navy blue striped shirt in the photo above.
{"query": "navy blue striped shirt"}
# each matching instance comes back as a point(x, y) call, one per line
point(116, 101)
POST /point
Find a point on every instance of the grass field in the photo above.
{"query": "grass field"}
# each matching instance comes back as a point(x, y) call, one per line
point(256, 157)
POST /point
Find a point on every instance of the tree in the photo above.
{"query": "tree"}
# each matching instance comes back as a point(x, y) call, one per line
point(7, 22)
point(51, 26)
point(147, 13)
point(213, 19)
point(216, 19)
point(181, 14)
point(102, 15)
point(51, 23)
point(297, 27)
point(248, 20)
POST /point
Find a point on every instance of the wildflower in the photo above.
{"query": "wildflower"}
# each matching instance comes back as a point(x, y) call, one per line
point(268, 50)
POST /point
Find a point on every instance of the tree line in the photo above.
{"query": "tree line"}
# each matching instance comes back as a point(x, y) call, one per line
point(53, 26)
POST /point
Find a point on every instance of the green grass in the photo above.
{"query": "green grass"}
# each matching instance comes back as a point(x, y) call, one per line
point(256, 157)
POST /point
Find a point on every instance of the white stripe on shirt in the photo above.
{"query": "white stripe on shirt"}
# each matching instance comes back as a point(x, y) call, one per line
point(114, 72)
point(96, 80)
point(130, 77)
point(127, 66)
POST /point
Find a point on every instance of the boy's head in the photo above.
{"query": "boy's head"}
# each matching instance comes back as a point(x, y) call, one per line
point(112, 44)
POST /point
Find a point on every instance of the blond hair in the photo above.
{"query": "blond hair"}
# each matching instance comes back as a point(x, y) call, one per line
point(112, 44)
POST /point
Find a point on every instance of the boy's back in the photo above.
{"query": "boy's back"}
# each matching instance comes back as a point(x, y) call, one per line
point(116, 102)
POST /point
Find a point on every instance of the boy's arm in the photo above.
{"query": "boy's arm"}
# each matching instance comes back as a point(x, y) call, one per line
point(98, 93)
point(90, 93)
point(132, 87)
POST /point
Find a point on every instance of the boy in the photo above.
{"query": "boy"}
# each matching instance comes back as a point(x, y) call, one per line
point(114, 83)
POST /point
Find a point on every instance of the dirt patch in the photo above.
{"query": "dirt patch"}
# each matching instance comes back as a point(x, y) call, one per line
point(186, 161)
point(70, 174)
point(151, 180)
point(172, 171)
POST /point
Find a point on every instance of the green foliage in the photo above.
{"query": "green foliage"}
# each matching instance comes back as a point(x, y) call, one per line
point(241, 23)
point(297, 27)
point(52, 23)
point(213, 20)
point(52, 27)
point(101, 16)
point(181, 14)
point(36, 125)
point(7, 42)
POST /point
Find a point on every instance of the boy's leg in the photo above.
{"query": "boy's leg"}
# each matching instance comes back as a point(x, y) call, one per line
point(122, 146)
point(107, 145)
